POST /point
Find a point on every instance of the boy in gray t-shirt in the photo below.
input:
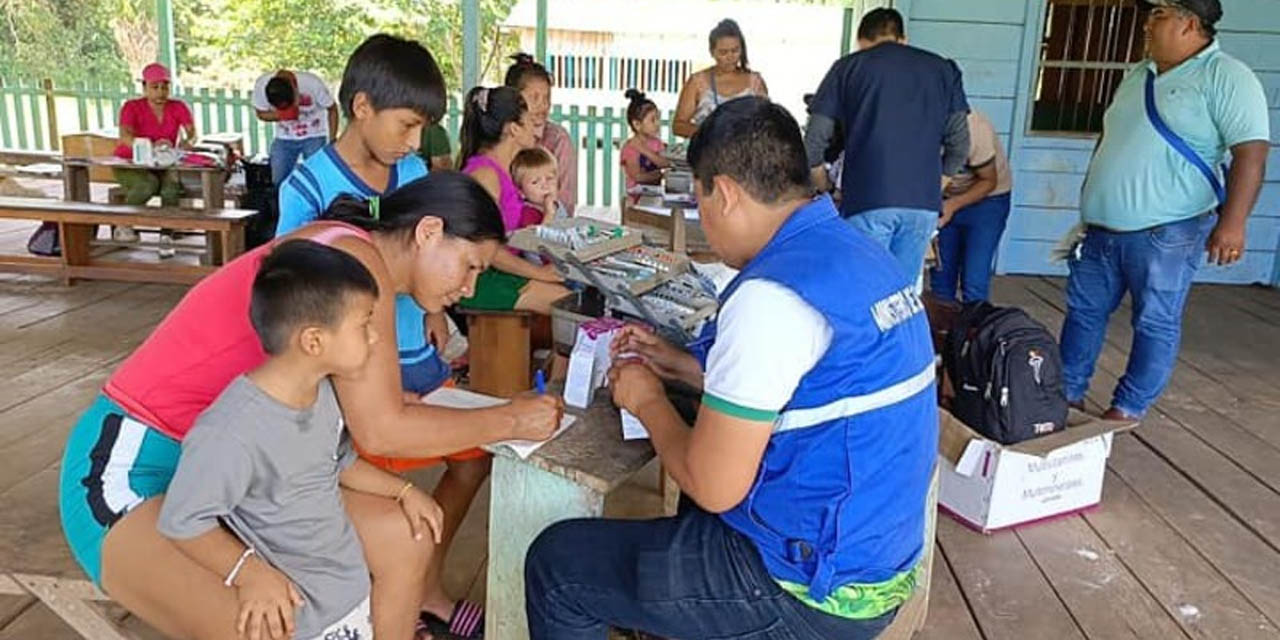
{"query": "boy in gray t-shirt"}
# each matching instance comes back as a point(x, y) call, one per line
point(266, 458)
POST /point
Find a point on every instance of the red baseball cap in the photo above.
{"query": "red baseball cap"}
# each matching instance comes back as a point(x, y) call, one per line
point(155, 72)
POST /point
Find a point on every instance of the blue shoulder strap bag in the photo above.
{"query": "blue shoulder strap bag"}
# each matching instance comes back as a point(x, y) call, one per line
point(1179, 144)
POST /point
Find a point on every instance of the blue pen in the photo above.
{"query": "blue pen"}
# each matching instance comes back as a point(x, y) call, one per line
point(540, 382)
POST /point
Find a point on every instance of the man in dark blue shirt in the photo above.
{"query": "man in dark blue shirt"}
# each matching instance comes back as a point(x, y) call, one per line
point(903, 111)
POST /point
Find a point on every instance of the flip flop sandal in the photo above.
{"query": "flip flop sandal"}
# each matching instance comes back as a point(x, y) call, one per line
point(466, 621)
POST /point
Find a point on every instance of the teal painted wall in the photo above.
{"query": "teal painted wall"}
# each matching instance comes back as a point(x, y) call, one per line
point(996, 43)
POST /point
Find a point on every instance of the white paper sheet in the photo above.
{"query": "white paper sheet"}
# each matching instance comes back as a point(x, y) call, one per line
point(462, 399)
point(632, 428)
point(579, 384)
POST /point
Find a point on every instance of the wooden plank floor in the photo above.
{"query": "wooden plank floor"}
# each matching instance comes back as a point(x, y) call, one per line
point(1185, 545)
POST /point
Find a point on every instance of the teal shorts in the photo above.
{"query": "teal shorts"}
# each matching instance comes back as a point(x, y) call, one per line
point(112, 463)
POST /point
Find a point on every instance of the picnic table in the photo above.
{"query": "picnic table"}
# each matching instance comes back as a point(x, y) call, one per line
point(75, 178)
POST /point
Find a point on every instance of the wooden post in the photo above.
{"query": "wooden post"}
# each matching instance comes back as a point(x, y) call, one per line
point(211, 190)
point(679, 232)
point(18, 119)
point(254, 143)
point(164, 25)
point(240, 105)
point(846, 32)
point(97, 108)
point(75, 182)
point(592, 119)
point(220, 111)
point(524, 501)
point(205, 117)
point(82, 112)
point(4, 115)
point(75, 240)
point(51, 107)
point(33, 102)
point(214, 248)
point(470, 44)
point(609, 168)
point(233, 243)
point(500, 352)
point(540, 47)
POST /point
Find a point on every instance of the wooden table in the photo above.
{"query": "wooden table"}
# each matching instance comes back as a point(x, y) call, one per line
point(75, 178)
point(567, 478)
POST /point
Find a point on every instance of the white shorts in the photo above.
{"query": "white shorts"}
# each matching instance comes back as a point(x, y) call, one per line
point(356, 625)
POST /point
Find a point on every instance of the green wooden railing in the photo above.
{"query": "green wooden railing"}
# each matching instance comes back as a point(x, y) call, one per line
point(36, 113)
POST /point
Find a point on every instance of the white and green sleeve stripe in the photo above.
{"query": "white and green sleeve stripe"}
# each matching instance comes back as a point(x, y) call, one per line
point(767, 339)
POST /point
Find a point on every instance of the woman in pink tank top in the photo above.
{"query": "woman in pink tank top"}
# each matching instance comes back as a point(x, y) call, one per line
point(430, 239)
point(495, 127)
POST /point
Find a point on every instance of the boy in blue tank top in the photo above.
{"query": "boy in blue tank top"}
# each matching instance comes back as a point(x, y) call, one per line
point(391, 89)
point(810, 457)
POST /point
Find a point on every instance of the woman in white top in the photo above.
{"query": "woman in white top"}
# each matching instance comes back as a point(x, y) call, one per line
point(730, 78)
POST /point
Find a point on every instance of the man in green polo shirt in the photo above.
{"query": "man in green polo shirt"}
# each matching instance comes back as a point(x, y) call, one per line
point(1150, 206)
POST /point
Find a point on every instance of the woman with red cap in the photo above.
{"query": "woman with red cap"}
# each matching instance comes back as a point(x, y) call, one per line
point(159, 119)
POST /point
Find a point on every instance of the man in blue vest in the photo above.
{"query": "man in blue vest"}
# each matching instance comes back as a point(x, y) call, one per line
point(810, 458)
point(1150, 193)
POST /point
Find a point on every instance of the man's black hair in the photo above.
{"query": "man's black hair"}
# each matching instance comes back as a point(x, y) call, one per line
point(303, 283)
point(881, 22)
point(395, 74)
point(755, 142)
point(280, 93)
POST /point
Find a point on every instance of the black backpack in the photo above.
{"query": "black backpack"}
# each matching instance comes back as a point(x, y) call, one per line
point(261, 196)
point(1006, 371)
point(45, 241)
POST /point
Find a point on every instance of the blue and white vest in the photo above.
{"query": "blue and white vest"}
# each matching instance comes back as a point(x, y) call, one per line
point(839, 498)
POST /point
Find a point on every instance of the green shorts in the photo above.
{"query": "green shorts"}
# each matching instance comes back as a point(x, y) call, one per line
point(495, 291)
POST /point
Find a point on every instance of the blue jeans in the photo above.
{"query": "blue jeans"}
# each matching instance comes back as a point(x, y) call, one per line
point(685, 577)
point(904, 232)
point(285, 155)
point(967, 250)
point(1155, 266)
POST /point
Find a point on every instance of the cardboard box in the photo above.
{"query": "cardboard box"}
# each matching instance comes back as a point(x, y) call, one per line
point(990, 486)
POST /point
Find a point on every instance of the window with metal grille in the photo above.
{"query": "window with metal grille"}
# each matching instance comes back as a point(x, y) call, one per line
point(1086, 48)
point(618, 74)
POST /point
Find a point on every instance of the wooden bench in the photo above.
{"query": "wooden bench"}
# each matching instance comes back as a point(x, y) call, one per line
point(77, 224)
point(19, 157)
point(32, 171)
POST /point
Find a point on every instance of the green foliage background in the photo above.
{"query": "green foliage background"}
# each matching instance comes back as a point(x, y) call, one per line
point(228, 43)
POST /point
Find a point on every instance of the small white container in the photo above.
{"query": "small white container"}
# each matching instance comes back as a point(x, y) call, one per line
point(142, 152)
